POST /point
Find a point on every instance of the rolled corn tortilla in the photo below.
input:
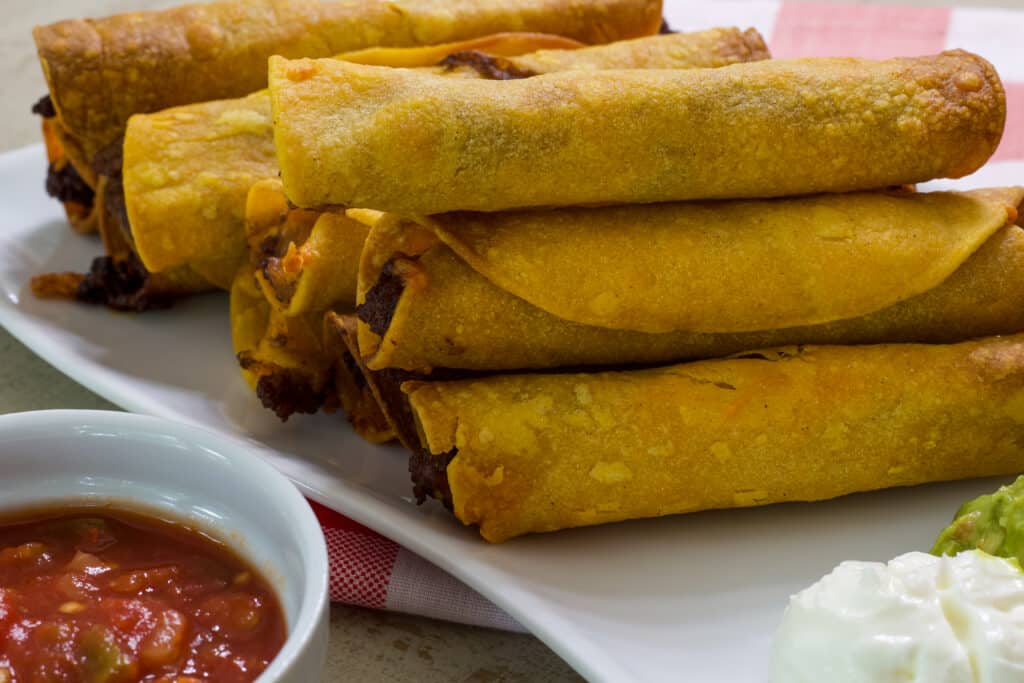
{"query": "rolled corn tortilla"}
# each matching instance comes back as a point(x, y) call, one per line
point(283, 358)
point(407, 143)
point(530, 453)
point(301, 364)
point(278, 302)
point(305, 261)
point(176, 229)
point(72, 178)
point(625, 285)
point(187, 170)
point(101, 71)
point(117, 280)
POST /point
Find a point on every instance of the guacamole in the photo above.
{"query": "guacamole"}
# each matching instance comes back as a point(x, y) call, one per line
point(993, 523)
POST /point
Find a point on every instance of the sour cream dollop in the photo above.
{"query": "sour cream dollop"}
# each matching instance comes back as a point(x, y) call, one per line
point(916, 619)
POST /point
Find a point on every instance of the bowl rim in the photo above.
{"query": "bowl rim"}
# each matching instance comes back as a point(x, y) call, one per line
point(240, 453)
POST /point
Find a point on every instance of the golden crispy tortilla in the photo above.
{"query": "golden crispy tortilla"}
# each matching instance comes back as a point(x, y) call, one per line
point(101, 71)
point(529, 453)
point(731, 266)
point(499, 292)
point(305, 261)
point(408, 143)
point(187, 170)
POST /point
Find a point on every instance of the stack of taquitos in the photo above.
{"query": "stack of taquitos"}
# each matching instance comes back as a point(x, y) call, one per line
point(101, 72)
point(897, 281)
point(304, 262)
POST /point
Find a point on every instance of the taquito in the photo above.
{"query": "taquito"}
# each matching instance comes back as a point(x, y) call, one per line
point(662, 283)
point(187, 170)
point(73, 177)
point(179, 203)
point(101, 71)
point(276, 317)
point(527, 453)
point(411, 144)
point(510, 56)
point(306, 262)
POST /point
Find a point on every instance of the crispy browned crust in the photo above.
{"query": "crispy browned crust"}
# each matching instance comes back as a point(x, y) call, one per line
point(286, 391)
point(763, 129)
point(119, 284)
point(540, 452)
point(64, 181)
point(101, 71)
point(56, 285)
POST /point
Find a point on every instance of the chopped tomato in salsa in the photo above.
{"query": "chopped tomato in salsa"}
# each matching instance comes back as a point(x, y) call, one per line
point(96, 596)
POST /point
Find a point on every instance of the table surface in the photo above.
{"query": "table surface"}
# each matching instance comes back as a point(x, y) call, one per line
point(365, 645)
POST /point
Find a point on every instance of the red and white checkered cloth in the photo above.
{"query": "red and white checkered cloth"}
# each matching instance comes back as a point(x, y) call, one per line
point(372, 571)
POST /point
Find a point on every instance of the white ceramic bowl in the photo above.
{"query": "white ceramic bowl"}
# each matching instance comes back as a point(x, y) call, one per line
point(212, 481)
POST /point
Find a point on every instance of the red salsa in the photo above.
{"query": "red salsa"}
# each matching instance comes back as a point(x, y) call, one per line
point(101, 596)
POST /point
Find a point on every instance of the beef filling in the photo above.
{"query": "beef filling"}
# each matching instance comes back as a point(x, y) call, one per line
point(269, 247)
point(354, 370)
point(429, 472)
point(395, 403)
point(65, 185)
point(488, 66)
point(108, 163)
point(44, 107)
point(63, 182)
point(381, 300)
point(121, 285)
point(430, 475)
point(285, 391)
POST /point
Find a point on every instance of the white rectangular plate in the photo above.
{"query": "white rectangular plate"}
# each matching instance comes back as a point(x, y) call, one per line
point(694, 597)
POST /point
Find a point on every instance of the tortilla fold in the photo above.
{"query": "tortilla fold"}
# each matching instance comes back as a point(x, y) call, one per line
point(303, 265)
point(283, 358)
point(663, 283)
point(358, 390)
point(407, 143)
point(529, 453)
point(499, 45)
point(101, 71)
point(305, 261)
